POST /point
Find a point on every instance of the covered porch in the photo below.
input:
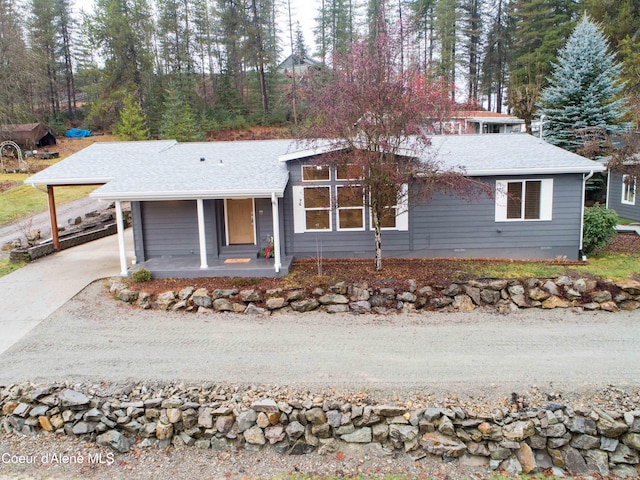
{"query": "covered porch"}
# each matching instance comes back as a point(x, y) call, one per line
point(190, 267)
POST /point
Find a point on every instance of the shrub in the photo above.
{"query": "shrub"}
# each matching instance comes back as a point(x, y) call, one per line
point(599, 228)
point(141, 275)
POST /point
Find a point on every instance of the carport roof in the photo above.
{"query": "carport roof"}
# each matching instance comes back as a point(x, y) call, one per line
point(162, 170)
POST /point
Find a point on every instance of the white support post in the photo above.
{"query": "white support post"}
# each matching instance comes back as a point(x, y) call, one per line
point(120, 227)
point(201, 234)
point(276, 232)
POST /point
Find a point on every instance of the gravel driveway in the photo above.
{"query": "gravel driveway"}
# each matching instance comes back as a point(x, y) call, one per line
point(95, 338)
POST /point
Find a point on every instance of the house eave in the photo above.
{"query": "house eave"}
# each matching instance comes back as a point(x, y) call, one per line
point(534, 171)
point(187, 195)
point(69, 181)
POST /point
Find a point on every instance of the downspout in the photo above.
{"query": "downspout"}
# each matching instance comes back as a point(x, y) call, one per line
point(542, 127)
point(581, 254)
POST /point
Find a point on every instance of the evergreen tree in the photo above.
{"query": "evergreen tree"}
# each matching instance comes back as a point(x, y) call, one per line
point(584, 89)
point(178, 121)
point(132, 124)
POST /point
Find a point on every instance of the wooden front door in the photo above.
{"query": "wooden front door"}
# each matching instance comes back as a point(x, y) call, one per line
point(240, 221)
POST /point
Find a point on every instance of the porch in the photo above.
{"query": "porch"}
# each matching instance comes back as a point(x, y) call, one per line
point(188, 266)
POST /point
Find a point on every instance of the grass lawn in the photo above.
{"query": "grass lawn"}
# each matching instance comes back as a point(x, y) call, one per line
point(19, 200)
point(7, 267)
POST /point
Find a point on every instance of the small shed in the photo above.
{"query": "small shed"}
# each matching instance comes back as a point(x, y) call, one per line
point(28, 135)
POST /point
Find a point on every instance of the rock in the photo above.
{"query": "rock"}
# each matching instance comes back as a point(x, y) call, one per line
point(223, 305)
point(295, 430)
point(611, 428)
point(543, 459)
point(164, 431)
point(359, 292)
point(467, 460)
point(521, 301)
point(361, 306)
point(294, 295)
point(582, 425)
point(511, 466)
point(205, 418)
point(515, 290)
point(186, 292)
point(574, 462)
point(557, 430)
point(246, 420)
point(337, 308)
point(262, 421)
point(463, 303)
point(361, 435)
point(400, 434)
point(585, 442)
point(166, 300)
point(608, 444)
point(274, 434)
point(552, 288)
point(601, 296)
point(254, 436)
point(254, 310)
point(572, 294)
point(316, 416)
point(441, 302)
point(518, 431)
point(201, 298)
point(556, 457)
point(623, 454)
point(624, 471)
point(555, 302)
point(609, 306)
point(251, 296)
point(526, 458)
point(452, 290)
point(489, 296)
point(538, 294)
point(446, 427)
point(597, 462)
point(490, 431)
point(630, 305)
point(437, 444)
point(632, 440)
point(275, 303)
point(224, 423)
point(307, 305)
point(128, 296)
point(71, 398)
point(629, 286)
point(224, 293)
point(406, 297)
point(115, 440)
point(267, 406)
point(380, 432)
point(389, 410)
point(333, 299)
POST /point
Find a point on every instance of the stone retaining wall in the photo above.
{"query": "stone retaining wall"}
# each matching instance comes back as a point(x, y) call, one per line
point(499, 294)
point(583, 441)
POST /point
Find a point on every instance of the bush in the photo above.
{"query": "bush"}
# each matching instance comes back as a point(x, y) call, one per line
point(599, 228)
point(141, 275)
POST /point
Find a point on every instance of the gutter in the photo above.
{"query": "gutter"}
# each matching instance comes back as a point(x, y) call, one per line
point(581, 254)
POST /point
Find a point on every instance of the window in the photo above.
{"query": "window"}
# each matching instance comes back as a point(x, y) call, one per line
point(350, 207)
point(315, 173)
point(524, 200)
point(317, 208)
point(628, 190)
point(396, 217)
point(349, 172)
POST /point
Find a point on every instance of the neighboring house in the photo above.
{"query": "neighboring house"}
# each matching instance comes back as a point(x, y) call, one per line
point(208, 209)
point(28, 135)
point(479, 122)
point(622, 195)
point(298, 66)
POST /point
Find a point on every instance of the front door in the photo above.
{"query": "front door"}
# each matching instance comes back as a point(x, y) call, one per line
point(240, 221)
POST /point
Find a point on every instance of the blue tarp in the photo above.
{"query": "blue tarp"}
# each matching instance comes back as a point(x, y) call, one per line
point(77, 133)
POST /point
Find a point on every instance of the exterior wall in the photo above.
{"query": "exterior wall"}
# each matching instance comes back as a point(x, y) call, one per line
point(614, 199)
point(450, 227)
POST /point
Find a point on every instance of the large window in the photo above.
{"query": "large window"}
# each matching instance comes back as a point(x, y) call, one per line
point(350, 207)
point(317, 208)
point(315, 173)
point(628, 190)
point(524, 200)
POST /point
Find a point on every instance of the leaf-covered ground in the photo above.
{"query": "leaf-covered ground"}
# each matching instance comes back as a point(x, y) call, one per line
point(309, 273)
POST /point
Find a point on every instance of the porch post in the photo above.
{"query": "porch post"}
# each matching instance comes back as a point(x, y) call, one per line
point(120, 226)
point(53, 218)
point(276, 232)
point(201, 234)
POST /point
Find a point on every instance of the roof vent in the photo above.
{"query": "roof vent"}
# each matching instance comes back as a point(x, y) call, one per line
point(220, 161)
point(202, 159)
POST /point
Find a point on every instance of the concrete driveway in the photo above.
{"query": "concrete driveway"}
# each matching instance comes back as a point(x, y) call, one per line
point(32, 293)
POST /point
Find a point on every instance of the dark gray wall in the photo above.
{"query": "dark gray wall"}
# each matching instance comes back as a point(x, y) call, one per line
point(631, 212)
point(450, 227)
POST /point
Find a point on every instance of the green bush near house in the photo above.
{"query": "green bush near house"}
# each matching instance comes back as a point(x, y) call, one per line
point(599, 228)
point(141, 275)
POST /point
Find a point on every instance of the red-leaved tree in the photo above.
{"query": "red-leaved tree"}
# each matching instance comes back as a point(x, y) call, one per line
point(378, 115)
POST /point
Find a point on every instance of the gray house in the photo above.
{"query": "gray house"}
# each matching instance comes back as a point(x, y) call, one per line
point(210, 209)
point(622, 195)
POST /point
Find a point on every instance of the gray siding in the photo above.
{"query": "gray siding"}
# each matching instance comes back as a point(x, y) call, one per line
point(450, 227)
point(614, 199)
point(171, 228)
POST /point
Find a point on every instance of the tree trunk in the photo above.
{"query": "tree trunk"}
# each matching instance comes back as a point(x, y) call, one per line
point(378, 239)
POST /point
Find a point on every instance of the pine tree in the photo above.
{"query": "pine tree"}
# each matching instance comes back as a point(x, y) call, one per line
point(132, 124)
point(178, 121)
point(584, 89)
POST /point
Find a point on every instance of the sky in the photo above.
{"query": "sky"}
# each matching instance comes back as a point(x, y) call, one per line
point(303, 11)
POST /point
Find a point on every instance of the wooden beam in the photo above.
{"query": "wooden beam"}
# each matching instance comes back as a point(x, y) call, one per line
point(54, 219)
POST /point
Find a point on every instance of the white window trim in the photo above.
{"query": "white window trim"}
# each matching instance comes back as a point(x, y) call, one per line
point(625, 186)
point(402, 213)
point(357, 229)
point(546, 200)
point(299, 210)
point(348, 179)
point(317, 167)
